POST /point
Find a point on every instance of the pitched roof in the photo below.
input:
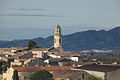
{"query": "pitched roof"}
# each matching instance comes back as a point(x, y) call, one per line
point(50, 68)
point(15, 56)
point(40, 49)
point(53, 50)
point(70, 54)
point(19, 48)
point(64, 73)
point(22, 59)
point(100, 68)
point(26, 56)
point(59, 60)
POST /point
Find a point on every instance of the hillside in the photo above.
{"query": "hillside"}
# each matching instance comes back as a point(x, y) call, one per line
point(90, 39)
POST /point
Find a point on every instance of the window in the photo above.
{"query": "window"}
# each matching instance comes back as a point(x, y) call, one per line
point(60, 40)
point(52, 53)
point(83, 76)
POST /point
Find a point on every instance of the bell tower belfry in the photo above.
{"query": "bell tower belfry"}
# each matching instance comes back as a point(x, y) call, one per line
point(58, 38)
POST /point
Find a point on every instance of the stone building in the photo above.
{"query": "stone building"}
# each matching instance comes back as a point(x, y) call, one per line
point(58, 46)
point(104, 72)
point(56, 51)
point(40, 52)
point(25, 73)
point(58, 38)
point(69, 75)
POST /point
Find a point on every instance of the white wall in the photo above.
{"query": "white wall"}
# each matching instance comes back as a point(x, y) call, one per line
point(74, 58)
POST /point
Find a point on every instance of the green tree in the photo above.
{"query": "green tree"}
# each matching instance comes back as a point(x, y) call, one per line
point(15, 75)
point(32, 44)
point(42, 75)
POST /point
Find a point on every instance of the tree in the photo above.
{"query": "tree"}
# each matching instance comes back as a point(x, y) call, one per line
point(15, 75)
point(42, 75)
point(32, 44)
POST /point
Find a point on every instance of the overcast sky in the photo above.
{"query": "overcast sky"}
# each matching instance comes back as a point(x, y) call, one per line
point(27, 19)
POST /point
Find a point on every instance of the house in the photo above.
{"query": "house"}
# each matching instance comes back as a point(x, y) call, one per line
point(59, 62)
point(40, 52)
point(26, 56)
point(19, 59)
point(74, 58)
point(69, 75)
point(105, 72)
point(14, 49)
point(18, 62)
point(25, 73)
point(65, 54)
point(54, 56)
point(35, 62)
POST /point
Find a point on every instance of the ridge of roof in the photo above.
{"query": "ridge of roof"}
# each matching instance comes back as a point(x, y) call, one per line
point(100, 68)
point(48, 68)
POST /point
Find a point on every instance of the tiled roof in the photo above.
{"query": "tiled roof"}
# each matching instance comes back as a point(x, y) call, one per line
point(53, 50)
point(40, 49)
point(100, 68)
point(22, 59)
point(67, 54)
point(50, 68)
point(26, 56)
point(59, 60)
point(64, 73)
point(4, 48)
point(18, 48)
point(15, 56)
point(14, 48)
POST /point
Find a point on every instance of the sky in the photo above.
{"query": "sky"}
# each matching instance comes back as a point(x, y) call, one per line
point(28, 19)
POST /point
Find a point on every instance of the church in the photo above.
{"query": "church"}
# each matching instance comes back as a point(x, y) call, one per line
point(58, 46)
point(56, 50)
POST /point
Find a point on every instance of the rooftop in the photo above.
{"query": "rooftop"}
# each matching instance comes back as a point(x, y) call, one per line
point(22, 59)
point(101, 68)
point(40, 49)
point(64, 73)
point(26, 56)
point(50, 68)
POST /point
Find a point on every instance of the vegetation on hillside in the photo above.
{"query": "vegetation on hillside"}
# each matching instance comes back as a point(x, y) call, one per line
point(85, 40)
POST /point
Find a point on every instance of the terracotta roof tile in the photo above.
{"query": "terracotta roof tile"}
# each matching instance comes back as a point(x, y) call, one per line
point(50, 68)
point(22, 59)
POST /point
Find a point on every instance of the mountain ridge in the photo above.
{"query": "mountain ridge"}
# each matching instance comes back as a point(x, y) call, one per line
point(90, 39)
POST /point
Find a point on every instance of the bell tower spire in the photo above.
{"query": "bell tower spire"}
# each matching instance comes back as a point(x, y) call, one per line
point(58, 38)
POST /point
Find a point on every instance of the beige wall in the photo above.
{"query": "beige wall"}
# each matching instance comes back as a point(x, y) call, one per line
point(9, 74)
point(80, 76)
point(25, 75)
point(96, 74)
point(114, 75)
point(39, 54)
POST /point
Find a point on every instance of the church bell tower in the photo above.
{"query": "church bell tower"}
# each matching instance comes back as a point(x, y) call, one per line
point(58, 38)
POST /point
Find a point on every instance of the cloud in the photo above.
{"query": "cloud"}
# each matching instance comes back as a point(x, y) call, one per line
point(42, 15)
point(25, 9)
point(26, 12)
